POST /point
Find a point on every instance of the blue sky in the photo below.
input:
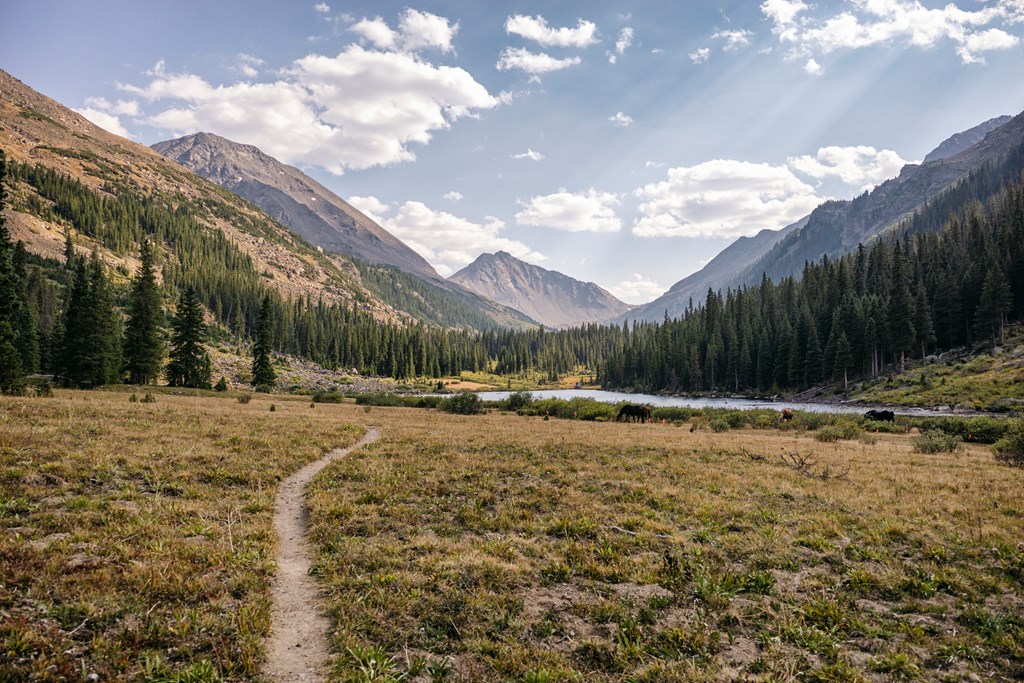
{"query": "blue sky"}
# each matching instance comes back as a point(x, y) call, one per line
point(622, 143)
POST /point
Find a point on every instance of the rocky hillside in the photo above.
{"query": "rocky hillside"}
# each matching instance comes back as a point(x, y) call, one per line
point(293, 198)
point(547, 296)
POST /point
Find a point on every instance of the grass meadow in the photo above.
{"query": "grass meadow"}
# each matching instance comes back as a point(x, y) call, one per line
point(136, 544)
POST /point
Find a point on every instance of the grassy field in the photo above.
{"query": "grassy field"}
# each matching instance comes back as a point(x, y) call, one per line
point(135, 543)
point(503, 548)
point(135, 538)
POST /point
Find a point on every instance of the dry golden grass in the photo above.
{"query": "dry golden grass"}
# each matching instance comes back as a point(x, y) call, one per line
point(135, 538)
point(504, 548)
point(135, 543)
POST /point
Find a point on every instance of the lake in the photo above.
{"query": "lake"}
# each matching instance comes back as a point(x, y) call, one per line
point(703, 402)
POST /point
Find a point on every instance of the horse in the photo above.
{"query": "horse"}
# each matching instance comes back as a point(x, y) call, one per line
point(880, 415)
point(631, 411)
point(786, 415)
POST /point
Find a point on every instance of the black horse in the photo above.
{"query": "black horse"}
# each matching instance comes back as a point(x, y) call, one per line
point(880, 415)
point(632, 412)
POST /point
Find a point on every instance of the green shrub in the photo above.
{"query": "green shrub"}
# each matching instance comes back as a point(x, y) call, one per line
point(1010, 449)
point(970, 429)
point(837, 432)
point(719, 424)
point(244, 398)
point(518, 400)
point(885, 427)
point(937, 441)
point(464, 403)
point(264, 388)
point(675, 413)
point(149, 398)
point(221, 385)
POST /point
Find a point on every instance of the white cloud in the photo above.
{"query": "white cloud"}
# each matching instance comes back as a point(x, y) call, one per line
point(700, 55)
point(108, 115)
point(447, 241)
point(590, 211)
point(105, 120)
point(416, 31)
point(813, 68)
point(532, 62)
point(537, 29)
point(637, 290)
point(529, 154)
point(322, 7)
point(860, 166)
point(621, 120)
point(358, 109)
point(722, 198)
point(247, 65)
point(454, 196)
point(622, 44)
point(734, 40)
point(864, 23)
point(374, 208)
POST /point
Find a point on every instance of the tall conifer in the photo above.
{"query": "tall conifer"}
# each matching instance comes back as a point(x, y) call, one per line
point(262, 370)
point(12, 378)
point(144, 333)
point(189, 364)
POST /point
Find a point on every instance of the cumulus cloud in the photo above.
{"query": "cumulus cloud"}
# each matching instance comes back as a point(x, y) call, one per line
point(813, 68)
point(873, 22)
point(358, 109)
point(322, 7)
point(416, 31)
point(734, 40)
point(722, 198)
point(589, 211)
point(247, 64)
point(529, 154)
point(860, 166)
point(622, 44)
point(700, 55)
point(107, 115)
point(637, 290)
point(447, 241)
point(537, 29)
point(533, 62)
point(621, 120)
point(453, 196)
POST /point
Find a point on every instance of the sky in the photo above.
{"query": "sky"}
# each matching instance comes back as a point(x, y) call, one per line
point(620, 143)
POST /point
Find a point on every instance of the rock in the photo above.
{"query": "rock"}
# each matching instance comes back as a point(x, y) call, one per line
point(47, 541)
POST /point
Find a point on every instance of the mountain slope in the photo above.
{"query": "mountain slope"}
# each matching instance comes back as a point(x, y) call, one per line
point(714, 275)
point(293, 198)
point(836, 227)
point(547, 296)
point(958, 142)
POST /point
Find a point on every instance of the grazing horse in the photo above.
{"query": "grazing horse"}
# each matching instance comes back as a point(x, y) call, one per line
point(787, 415)
point(631, 411)
point(880, 415)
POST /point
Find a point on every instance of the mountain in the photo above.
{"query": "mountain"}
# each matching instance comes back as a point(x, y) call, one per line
point(837, 227)
point(99, 167)
point(714, 275)
point(958, 142)
point(547, 296)
point(294, 199)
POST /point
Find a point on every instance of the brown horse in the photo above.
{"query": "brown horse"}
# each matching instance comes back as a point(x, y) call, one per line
point(633, 412)
point(787, 415)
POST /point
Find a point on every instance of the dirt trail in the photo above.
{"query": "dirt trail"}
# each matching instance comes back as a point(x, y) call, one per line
point(297, 647)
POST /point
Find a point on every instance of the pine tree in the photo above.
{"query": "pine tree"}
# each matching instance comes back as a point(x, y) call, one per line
point(996, 300)
point(144, 331)
point(189, 364)
point(900, 311)
point(12, 375)
point(262, 371)
point(844, 359)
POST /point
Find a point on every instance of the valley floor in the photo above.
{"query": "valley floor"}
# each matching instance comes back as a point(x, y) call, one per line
point(136, 544)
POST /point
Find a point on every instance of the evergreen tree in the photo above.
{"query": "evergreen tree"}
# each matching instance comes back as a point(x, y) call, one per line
point(189, 364)
point(262, 371)
point(844, 359)
point(144, 334)
point(12, 374)
point(900, 311)
point(996, 300)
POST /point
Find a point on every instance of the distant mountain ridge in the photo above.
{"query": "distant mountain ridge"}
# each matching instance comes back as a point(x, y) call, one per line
point(293, 198)
point(547, 296)
point(958, 142)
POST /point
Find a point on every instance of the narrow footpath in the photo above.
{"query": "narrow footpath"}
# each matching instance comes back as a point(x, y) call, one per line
point(297, 647)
